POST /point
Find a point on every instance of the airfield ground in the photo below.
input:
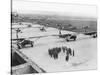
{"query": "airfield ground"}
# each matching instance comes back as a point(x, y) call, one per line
point(85, 49)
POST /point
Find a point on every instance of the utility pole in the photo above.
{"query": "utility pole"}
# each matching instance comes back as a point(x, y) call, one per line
point(59, 27)
point(17, 31)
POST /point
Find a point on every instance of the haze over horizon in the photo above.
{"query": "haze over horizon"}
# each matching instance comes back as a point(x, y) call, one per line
point(32, 7)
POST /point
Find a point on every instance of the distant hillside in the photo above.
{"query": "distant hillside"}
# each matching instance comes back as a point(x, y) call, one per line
point(76, 23)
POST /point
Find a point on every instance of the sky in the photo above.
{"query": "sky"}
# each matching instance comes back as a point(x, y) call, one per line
point(33, 7)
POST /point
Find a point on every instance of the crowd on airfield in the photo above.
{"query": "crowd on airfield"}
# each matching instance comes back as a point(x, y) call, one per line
point(54, 52)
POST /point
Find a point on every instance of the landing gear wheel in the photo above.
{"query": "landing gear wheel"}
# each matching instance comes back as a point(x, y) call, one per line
point(67, 40)
point(74, 39)
point(19, 47)
point(31, 44)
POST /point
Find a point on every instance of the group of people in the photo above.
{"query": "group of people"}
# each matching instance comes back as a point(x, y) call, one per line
point(68, 51)
point(54, 52)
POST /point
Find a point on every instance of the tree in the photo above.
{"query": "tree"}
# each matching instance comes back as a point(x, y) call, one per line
point(69, 25)
point(14, 16)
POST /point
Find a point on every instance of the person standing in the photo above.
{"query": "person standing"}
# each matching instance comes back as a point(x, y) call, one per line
point(67, 58)
point(67, 55)
point(70, 51)
point(73, 53)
